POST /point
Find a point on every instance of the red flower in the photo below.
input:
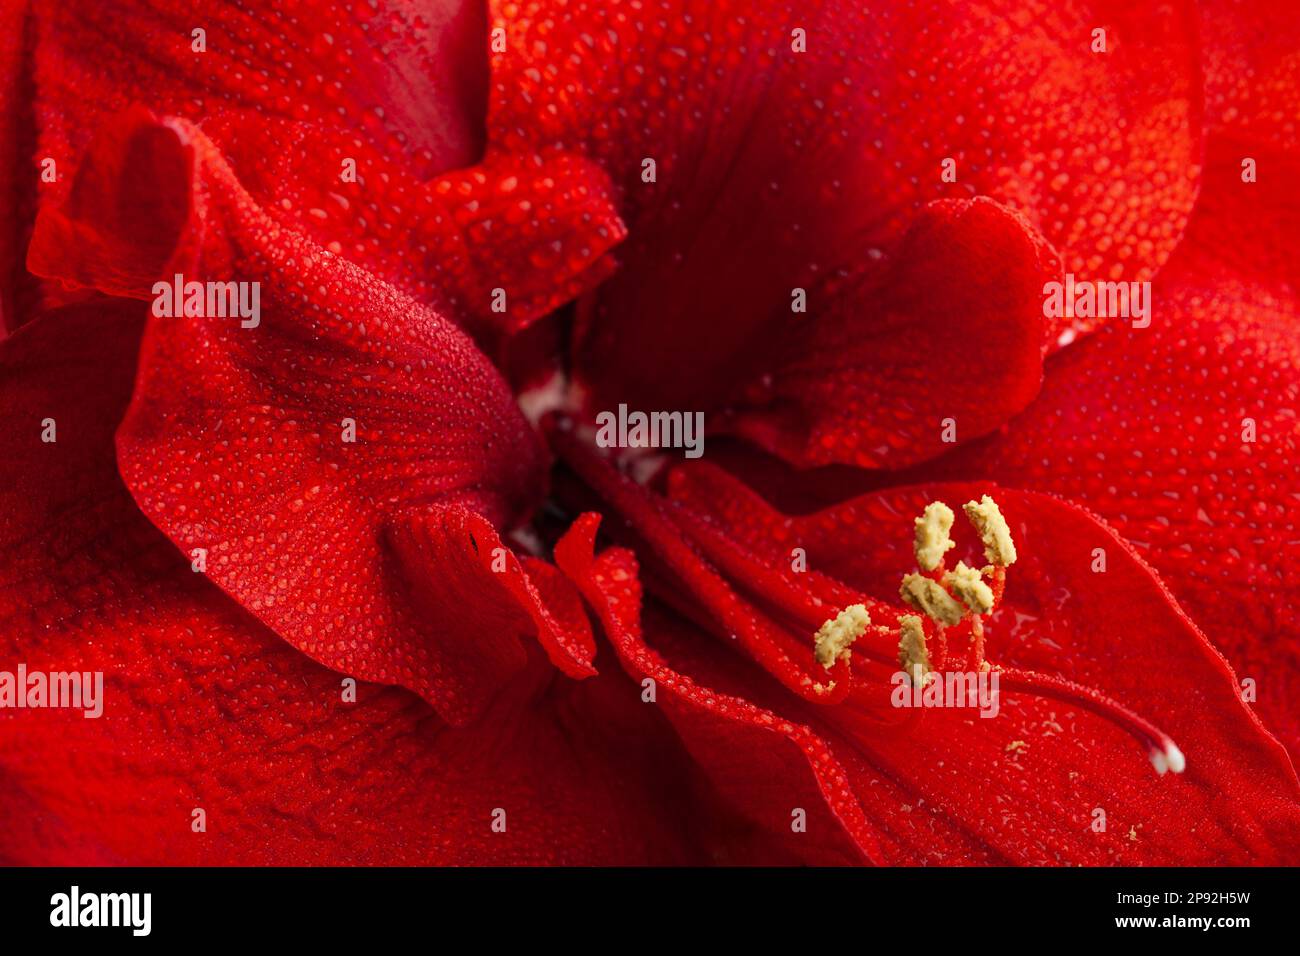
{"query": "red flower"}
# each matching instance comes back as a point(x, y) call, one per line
point(389, 473)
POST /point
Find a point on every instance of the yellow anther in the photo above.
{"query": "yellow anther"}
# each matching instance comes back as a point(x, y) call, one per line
point(970, 588)
point(912, 654)
point(932, 539)
point(834, 638)
point(926, 595)
point(993, 530)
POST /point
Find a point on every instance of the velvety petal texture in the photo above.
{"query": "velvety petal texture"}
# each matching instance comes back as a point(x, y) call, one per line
point(277, 451)
point(398, 89)
point(403, 77)
point(338, 121)
point(493, 246)
point(1250, 53)
point(205, 709)
point(18, 171)
point(947, 349)
point(763, 148)
point(320, 301)
point(778, 772)
point(467, 584)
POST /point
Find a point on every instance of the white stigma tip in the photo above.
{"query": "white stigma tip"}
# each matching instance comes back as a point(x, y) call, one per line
point(1170, 758)
point(1177, 762)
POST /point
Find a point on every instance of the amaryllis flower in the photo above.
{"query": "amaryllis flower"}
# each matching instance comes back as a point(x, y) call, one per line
point(362, 577)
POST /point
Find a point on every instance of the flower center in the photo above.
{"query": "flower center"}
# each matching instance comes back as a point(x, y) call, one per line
point(820, 638)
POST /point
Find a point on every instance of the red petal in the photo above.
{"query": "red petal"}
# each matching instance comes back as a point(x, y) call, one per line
point(536, 226)
point(18, 171)
point(469, 587)
point(766, 765)
point(398, 86)
point(405, 78)
point(138, 210)
point(338, 135)
point(1147, 426)
point(237, 439)
point(1251, 58)
point(206, 708)
point(778, 169)
point(954, 333)
point(1118, 631)
point(531, 229)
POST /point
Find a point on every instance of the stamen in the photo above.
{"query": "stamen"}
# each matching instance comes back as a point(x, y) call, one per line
point(741, 597)
point(929, 596)
point(993, 530)
point(966, 583)
point(912, 654)
point(932, 540)
point(975, 654)
point(836, 636)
